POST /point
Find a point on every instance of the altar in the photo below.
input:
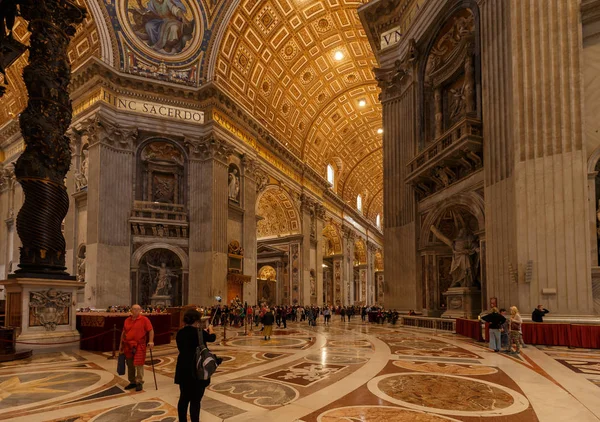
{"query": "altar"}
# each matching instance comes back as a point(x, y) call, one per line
point(92, 324)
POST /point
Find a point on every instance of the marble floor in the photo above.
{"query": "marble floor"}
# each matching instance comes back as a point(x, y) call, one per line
point(344, 372)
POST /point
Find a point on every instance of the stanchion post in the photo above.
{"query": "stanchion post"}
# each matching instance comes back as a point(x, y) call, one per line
point(114, 342)
point(225, 331)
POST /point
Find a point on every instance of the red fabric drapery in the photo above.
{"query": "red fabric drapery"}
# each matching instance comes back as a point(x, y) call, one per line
point(542, 333)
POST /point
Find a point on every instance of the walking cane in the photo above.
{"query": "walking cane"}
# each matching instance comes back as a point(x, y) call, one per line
point(153, 373)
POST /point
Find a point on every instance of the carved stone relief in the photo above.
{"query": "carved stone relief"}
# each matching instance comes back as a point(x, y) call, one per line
point(49, 309)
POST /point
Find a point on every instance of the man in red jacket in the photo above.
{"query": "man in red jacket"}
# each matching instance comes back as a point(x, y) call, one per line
point(133, 344)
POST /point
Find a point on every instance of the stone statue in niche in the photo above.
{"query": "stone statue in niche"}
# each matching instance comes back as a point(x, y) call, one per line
point(81, 264)
point(465, 257)
point(313, 283)
point(234, 184)
point(81, 177)
point(163, 279)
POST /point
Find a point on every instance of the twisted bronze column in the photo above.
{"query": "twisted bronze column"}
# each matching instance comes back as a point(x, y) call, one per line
point(42, 167)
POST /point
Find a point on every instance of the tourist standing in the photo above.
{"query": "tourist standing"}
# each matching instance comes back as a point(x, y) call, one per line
point(515, 328)
point(495, 320)
point(538, 314)
point(133, 345)
point(267, 320)
point(326, 315)
point(191, 389)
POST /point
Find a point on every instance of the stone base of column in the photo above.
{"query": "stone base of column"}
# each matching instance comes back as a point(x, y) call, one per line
point(463, 302)
point(43, 311)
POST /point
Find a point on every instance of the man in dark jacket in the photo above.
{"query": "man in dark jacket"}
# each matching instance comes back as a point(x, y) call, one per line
point(268, 319)
point(538, 314)
point(495, 320)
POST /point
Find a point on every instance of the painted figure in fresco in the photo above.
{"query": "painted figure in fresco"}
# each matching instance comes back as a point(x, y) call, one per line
point(163, 282)
point(465, 258)
point(162, 24)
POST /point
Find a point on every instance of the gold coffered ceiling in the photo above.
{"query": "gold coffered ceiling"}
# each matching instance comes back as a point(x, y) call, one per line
point(277, 58)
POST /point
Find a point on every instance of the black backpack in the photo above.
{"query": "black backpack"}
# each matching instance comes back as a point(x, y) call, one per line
point(206, 362)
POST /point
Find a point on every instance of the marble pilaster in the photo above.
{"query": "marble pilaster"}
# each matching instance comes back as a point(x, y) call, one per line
point(249, 170)
point(110, 199)
point(320, 217)
point(208, 181)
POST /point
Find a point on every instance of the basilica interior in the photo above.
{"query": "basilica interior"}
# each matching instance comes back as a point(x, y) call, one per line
point(433, 158)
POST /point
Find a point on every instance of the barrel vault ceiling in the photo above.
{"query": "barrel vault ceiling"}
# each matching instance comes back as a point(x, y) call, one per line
point(303, 68)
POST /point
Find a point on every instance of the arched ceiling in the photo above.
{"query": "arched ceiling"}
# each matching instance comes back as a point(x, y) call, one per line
point(277, 59)
point(85, 43)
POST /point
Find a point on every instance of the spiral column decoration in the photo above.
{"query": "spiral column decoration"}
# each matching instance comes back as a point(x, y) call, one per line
point(42, 167)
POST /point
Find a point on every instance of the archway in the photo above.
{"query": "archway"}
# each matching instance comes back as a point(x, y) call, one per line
point(279, 243)
point(159, 277)
point(452, 249)
point(332, 260)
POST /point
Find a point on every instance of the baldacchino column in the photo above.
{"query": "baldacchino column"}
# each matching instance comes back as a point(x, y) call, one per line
point(41, 294)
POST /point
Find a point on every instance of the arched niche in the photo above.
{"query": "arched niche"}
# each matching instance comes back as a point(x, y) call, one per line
point(160, 275)
point(455, 224)
point(161, 175)
point(450, 72)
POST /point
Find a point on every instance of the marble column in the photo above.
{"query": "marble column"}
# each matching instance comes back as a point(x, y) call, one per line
point(338, 280)
point(348, 238)
point(110, 200)
point(371, 281)
point(308, 230)
point(209, 203)
point(320, 222)
point(535, 162)
point(249, 169)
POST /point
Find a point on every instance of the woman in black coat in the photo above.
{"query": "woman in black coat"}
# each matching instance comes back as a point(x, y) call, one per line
point(191, 389)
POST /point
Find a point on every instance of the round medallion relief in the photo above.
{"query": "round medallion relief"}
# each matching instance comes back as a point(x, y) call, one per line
point(169, 30)
point(448, 394)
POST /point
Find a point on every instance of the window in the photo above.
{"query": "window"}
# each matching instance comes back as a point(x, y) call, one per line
point(359, 203)
point(330, 174)
point(378, 221)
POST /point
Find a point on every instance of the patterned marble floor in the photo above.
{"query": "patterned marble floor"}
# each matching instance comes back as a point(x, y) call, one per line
point(344, 372)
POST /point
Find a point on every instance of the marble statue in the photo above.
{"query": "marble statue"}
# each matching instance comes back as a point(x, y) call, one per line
point(313, 283)
point(234, 185)
point(163, 282)
point(81, 269)
point(81, 177)
point(465, 258)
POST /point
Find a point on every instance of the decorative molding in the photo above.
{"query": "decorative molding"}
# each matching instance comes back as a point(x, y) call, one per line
point(101, 131)
point(209, 148)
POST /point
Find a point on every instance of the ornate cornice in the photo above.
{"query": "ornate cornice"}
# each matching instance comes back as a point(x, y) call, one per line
point(392, 79)
point(101, 131)
point(8, 130)
point(209, 148)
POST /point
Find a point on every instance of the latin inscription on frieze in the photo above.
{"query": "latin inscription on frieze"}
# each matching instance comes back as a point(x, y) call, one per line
point(149, 108)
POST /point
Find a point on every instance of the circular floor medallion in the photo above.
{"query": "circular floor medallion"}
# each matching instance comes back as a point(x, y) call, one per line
point(378, 414)
point(448, 394)
point(445, 368)
point(261, 342)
